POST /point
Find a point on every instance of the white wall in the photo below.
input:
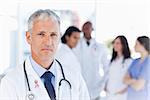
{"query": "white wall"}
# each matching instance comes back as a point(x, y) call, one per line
point(122, 17)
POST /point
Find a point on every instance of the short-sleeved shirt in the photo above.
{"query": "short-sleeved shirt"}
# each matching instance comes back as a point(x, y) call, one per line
point(140, 70)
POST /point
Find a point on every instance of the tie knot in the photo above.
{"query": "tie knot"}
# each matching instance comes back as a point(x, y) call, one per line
point(47, 75)
point(88, 43)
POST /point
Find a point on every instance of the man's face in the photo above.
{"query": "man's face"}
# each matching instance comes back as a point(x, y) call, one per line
point(44, 39)
point(87, 30)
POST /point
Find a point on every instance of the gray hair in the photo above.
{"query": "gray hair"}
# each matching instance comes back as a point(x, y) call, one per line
point(41, 15)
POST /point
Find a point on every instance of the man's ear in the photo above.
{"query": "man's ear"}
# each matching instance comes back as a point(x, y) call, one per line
point(28, 37)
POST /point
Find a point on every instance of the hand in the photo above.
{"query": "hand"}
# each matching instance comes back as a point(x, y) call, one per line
point(122, 91)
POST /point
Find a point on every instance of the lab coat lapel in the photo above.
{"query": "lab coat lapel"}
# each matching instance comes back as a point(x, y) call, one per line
point(58, 78)
point(62, 91)
point(35, 82)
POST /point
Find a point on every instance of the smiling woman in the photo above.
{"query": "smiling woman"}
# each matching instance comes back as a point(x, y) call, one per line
point(138, 76)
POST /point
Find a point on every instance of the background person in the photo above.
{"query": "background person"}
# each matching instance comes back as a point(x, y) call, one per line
point(119, 64)
point(92, 56)
point(138, 76)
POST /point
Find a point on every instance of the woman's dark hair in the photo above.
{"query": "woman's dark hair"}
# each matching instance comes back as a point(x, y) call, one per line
point(125, 48)
point(68, 33)
point(145, 41)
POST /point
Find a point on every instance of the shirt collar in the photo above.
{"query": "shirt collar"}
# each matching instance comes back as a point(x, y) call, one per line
point(92, 40)
point(40, 70)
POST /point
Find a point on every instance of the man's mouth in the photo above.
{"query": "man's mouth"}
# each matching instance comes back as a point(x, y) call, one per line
point(47, 49)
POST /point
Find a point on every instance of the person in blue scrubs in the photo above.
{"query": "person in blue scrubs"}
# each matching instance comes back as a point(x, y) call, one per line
point(138, 76)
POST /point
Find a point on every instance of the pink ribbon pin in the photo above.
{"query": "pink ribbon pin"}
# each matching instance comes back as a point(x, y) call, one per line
point(36, 84)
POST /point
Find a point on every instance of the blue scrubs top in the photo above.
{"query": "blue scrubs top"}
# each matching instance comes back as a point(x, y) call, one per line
point(139, 70)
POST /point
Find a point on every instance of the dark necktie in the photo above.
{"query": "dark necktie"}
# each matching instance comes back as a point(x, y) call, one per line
point(88, 43)
point(47, 76)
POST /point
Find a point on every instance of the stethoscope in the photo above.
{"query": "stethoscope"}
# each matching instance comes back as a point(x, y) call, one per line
point(31, 96)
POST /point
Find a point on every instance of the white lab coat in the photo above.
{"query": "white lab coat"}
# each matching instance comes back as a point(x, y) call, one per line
point(117, 71)
point(14, 87)
point(67, 57)
point(70, 63)
point(92, 58)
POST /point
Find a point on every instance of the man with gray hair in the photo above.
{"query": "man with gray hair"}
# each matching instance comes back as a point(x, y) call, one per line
point(41, 76)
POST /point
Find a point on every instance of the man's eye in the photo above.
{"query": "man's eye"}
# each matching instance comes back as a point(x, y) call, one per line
point(53, 34)
point(41, 34)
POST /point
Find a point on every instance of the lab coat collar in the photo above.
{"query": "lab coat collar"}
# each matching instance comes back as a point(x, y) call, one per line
point(36, 84)
point(66, 47)
point(40, 70)
point(92, 41)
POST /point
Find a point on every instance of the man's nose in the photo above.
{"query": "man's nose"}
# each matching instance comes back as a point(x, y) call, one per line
point(48, 40)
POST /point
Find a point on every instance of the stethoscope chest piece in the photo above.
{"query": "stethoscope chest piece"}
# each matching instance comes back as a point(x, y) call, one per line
point(30, 96)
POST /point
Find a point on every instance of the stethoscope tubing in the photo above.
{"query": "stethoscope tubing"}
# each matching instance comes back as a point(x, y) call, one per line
point(63, 79)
